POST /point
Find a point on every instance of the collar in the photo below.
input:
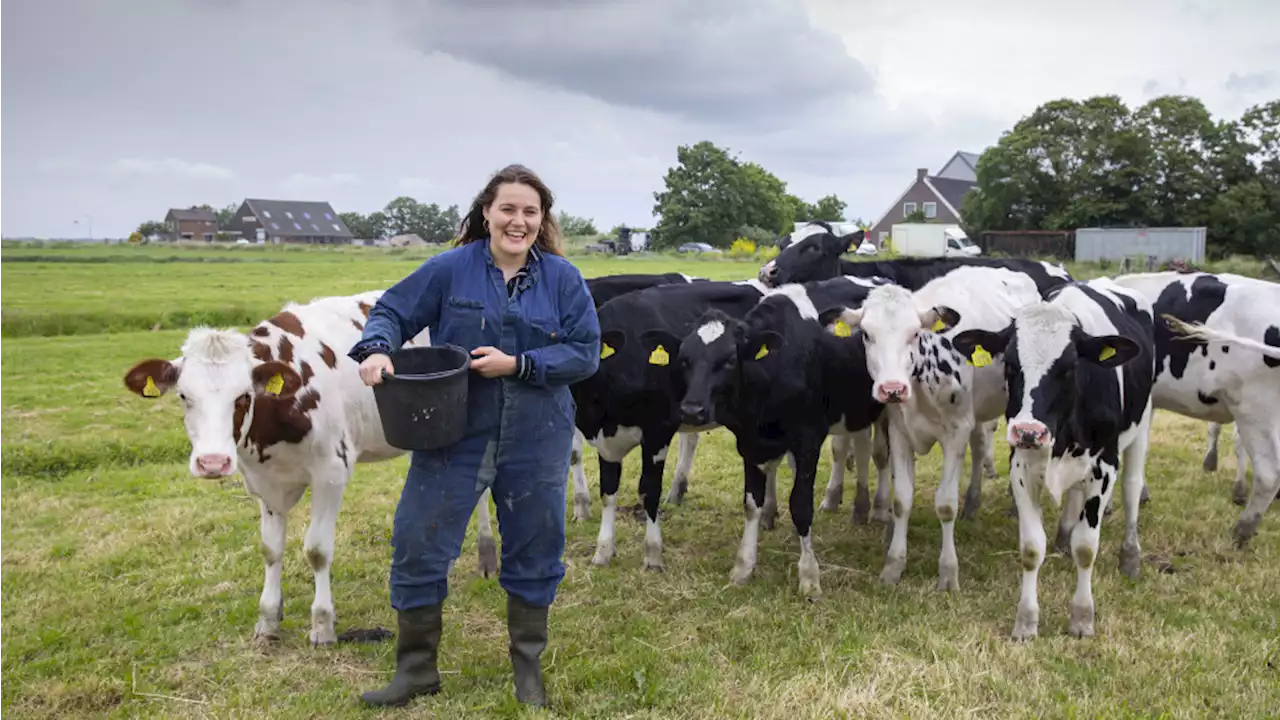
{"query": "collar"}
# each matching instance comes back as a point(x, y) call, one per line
point(533, 260)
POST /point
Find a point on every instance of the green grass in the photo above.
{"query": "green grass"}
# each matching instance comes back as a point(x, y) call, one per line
point(130, 588)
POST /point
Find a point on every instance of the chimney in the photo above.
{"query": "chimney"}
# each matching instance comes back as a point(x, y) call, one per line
point(920, 173)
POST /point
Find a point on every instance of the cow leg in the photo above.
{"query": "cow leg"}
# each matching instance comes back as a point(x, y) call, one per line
point(610, 480)
point(884, 472)
point(273, 527)
point(834, 494)
point(1262, 441)
point(904, 474)
point(754, 481)
point(1240, 490)
point(581, 496)
point(1072, 504)
point(801, 504)
point(862, 456)
point(688, 445)
point(485, 545)
point(1026, 478)
point(326, 501)
point(982, 444)
point(653, 461)
point(1096, 489)
point(1211, 454)
point(1133, 475)
point(989, 449)
point(945, 503)
point(769, 513)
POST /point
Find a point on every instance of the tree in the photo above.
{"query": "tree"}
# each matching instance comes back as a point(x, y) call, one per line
point(365, 227)
point(915, 216)
point(406, 215)
point(709, 195)
point(829, 208)
point(152, 227)
point(570, 225)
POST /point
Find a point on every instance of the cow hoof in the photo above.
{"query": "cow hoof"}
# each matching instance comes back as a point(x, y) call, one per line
point(948, 579)
point(602, 557)
point(829, 505)
point(650, 567)
point(1131, 561)
point(1211, 461)
point(263, 637)
point(810, 589)
point(1240, 495)
point(892, 573)
point(969, 510)
point(740, 575)
point(881, 515)
point(676, 496)
point(1081, 621)
point(488, 557)
point(767, 519)
point(1145, 497)
point(1026, 624)
point(581, 508)
point(1244, 532)
point(323, 637)
point(860, 516)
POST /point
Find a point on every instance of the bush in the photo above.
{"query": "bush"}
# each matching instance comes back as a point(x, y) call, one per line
point(742, 248)
point(768, 253)
point(757, 235)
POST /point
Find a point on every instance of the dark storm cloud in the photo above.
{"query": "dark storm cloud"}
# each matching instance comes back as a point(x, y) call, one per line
point(738, 61)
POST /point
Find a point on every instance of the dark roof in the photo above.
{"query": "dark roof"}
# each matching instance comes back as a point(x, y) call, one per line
point(191, 214)
point(952, 190)
point(971, 158)
point(298, 218)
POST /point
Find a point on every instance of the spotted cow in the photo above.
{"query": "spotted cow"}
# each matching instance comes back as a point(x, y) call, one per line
point(1221, 365)
point(933, 395)
point(285, 407)
point(1080, 369)
point(780, 385)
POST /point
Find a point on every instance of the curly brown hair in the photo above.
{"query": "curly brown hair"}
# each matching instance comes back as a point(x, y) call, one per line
point(473, 229)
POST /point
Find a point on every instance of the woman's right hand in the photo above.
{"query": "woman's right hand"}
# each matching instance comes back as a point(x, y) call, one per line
point(373, 366)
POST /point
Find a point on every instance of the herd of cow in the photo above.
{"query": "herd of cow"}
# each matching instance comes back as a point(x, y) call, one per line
point(887, 358)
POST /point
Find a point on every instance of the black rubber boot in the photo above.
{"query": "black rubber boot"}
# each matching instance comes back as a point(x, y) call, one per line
point(527, 626)
point(416, 646)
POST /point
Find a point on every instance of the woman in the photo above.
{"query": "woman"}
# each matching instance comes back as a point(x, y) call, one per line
point(506, 294)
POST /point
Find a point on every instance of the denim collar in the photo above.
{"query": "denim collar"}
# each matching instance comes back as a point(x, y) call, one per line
point(530, 263)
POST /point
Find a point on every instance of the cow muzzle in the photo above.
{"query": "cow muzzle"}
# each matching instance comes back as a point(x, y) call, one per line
point(213, 465)
point(1029, 435)
point(892, 392)
point(769, 273)
point(694, 413)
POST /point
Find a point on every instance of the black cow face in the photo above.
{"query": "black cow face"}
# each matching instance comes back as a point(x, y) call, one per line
point(816, 257)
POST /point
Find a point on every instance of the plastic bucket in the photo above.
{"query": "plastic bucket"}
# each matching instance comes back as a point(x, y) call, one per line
point(424, 405)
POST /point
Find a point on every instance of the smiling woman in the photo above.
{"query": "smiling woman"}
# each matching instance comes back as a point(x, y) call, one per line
point(525, 314)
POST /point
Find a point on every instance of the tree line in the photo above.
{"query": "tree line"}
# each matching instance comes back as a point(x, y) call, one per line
point(402, 216)
point(1096, 163)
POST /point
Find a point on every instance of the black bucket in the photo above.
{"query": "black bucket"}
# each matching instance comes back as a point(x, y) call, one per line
point(424, 405)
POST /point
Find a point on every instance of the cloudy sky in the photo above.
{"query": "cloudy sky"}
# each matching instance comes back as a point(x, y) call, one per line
point(114, 111)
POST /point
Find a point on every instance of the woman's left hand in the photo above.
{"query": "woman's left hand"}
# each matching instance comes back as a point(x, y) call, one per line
point(492, 362)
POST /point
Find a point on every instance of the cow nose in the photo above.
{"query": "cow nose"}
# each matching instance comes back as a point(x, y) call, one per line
point(212, 465)
point(1028, 435)
point(693, 413)
point(892, 392)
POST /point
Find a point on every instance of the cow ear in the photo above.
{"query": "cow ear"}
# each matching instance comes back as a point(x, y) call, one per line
point(661, 345)
point(981, 346)
point(275, 378)
point(611, 342)
point(939, 318)
point(152, 377)
point(762, 344)
point(1109, 351)
point(840, 321)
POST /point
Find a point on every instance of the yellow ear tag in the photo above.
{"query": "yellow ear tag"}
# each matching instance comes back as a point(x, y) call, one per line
point(1107, 353)
point(150, 389)
point(275, 384)
point(938, 325)
point(980, 357)
point(659, 356)
point(842, 329)
point(763, 351)
point(606, 350)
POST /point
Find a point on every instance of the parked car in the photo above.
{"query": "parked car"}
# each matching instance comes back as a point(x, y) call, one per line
point(698, 248)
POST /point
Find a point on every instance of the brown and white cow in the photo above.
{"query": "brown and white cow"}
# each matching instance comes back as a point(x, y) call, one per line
point(285, 406)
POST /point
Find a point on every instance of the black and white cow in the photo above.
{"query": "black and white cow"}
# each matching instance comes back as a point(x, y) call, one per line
point(1080, 369)
point(631, 400)
point(603, 289)
point(934, 396)
point(1227, 370)
point(1240, 488)
point(780, 384)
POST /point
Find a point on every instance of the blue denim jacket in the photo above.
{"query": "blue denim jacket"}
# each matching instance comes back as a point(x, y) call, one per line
point(550, 319)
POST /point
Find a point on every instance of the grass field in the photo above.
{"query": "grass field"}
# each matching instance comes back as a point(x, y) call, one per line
point(130, 588)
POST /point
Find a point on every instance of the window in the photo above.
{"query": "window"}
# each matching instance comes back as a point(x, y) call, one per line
point(306, 214)
point(884, 235)
point(288, 214)
point(930, 209)
point(208, 237)
point(336, 226)
point(315, 227)
point(296, 226)
point(275, 225)
point(328, 216)
point(908, 208)
point(266, 214)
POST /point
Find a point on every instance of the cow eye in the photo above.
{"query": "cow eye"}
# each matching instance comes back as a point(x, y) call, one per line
point(867, 337)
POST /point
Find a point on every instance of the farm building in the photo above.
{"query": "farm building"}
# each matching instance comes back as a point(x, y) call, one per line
point(407, 240)
point(191, 224)
point(940, 197)
point(290, 221)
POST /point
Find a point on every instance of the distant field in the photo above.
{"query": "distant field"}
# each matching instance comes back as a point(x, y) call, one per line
point(130, 588)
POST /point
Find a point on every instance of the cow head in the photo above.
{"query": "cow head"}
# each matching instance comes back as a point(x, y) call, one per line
point(219, 383)
point(711, 361)
point(815, 257)
point(891, 326)
point(1043, 349)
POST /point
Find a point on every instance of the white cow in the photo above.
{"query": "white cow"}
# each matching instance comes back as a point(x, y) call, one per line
point(1240, 489)
point(285, 406)
point(933, 395)
point(1227, 371)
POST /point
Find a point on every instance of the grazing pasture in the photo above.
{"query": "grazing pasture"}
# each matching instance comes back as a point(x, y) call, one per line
point(131, 588)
